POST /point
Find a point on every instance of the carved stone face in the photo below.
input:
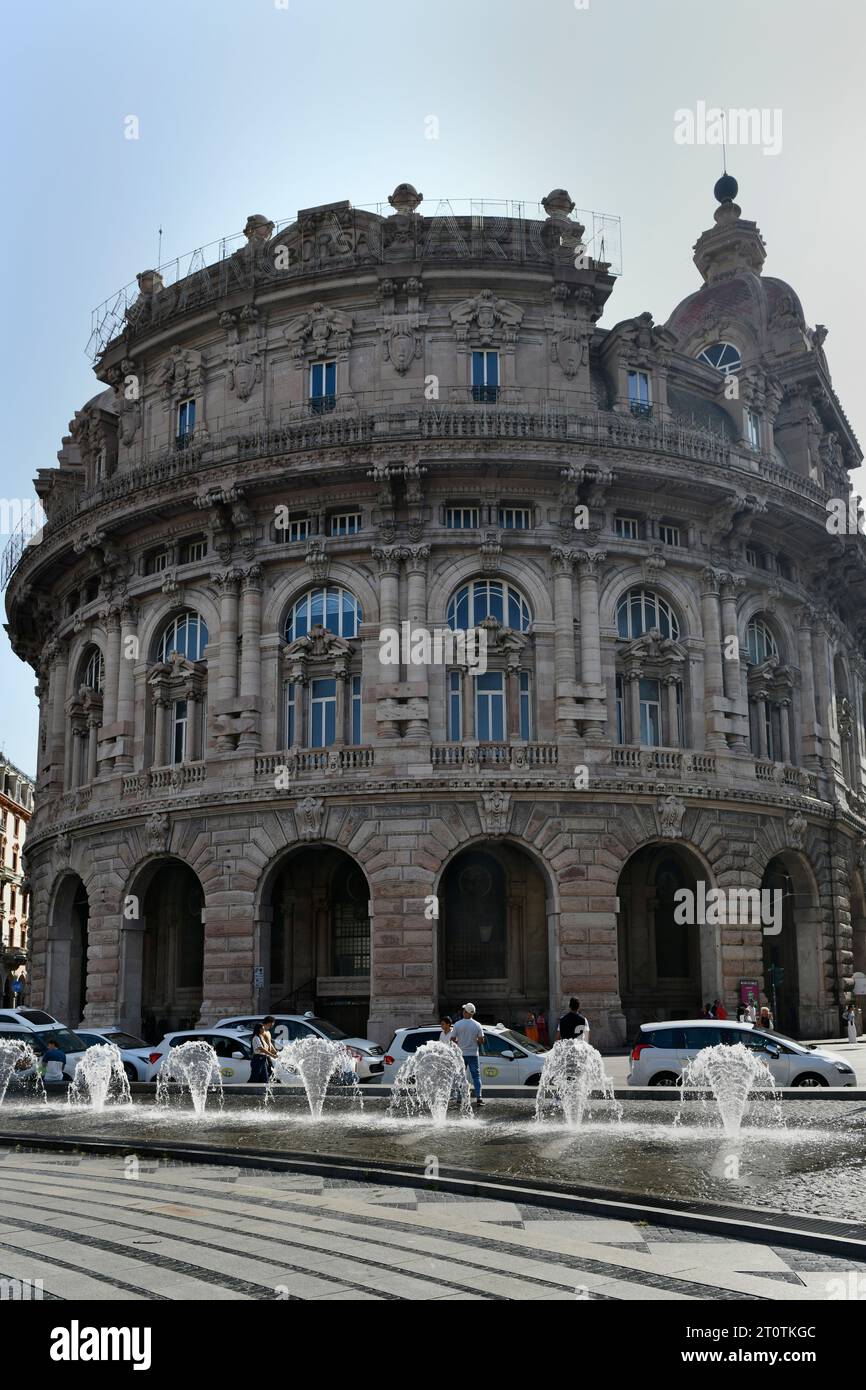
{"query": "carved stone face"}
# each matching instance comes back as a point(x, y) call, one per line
point(402, 349)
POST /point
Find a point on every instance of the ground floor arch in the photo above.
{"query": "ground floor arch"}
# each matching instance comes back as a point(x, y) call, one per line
point(67, 950)
point(314, 930)
point(493, 934)
point(792, 956)
point(668, 967)
point(162, 949)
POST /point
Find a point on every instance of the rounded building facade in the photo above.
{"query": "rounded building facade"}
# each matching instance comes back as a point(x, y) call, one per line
point(403, 636)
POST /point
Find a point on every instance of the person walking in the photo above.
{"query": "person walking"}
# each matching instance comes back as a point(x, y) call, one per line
point(751, 1013)
point(531, 1029)
point(573, 1024)
point(849, 1018)
point(55, 1061)
point(543, 1030)
point(263, 1055)
point(470, 1035)
point(719, 1010)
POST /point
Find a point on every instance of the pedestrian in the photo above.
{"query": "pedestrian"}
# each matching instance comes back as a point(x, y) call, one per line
point(543, 1030)
point(719, 1010)
point(751, 1013)
point(573, 1024)
point(849, 1018)
point(766, 1018)
point(55, 1061)
point(446, 1024)
point(262, 1064)
point(470, 1035)
point(741, 1013)
point(531, 1029)
point(707, 1013)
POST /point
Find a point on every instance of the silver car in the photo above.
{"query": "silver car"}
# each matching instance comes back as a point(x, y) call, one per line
point(661, 1050)
point(368, 1056)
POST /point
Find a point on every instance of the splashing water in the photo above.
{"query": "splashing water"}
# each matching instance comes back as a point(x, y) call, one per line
point(572, 1072)
point(99, 1076)
point(19, 1057)
point(192, 1066)
point(429, 1080)
point(731, 1074)
point(318, 1062)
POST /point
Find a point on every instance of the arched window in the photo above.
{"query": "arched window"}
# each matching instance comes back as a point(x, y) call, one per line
point(488, 598)
point(760, 642)
point(185, 634)
point(93, 669)
point(723, 356)
point(640, 611)
point(328, 606)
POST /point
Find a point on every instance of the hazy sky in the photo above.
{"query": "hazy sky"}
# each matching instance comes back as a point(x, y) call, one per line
point(255, 106)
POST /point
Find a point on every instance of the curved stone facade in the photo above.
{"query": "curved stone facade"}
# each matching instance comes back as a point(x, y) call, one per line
point(269, 772)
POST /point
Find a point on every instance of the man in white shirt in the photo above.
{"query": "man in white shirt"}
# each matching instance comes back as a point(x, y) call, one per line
point(469, 1036)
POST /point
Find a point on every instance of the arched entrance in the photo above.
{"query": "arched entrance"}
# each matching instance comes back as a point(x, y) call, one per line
point(170, 947)
point(667, 968)
point(493, 934)
point(66, 963)
point(794, 994)
point(316, 945)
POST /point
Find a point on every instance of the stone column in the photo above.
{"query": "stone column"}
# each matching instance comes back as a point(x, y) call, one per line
point(633, 731)
point(670, 683)
point(467, 687)
point(783, 707)
point(111, 619)
point(92, 736)
point(512, 702)
point(713, 677)
point(78, 760)
point(251, 658)
point(341, 677)
point(388, 560)
point(761, 705)
point(57, 737)
point(126, 686)
point(160, 731)
point(806, 618)
point(563, 617)
point(821, 654)
point(227, 679)
point(589, 563)
point(417, 558)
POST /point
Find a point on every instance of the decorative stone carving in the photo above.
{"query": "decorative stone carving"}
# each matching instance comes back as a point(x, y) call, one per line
point(319, 333)
point(63, 848)
point(316, 560)
point(569, 346)
point(796, 826)
point(486, 319)
point(157, 828)
point(671, 813)
point(495, 810)
point(309, 814)
point(401, 343)
point(180, 374)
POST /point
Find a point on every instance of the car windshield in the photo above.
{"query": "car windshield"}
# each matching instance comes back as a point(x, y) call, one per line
point(64, 1039)
point(783, 1038)
point(125, 1040)
point(521, 1040)
point(323, 1026)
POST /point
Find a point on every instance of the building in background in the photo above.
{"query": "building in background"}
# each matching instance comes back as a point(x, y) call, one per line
point(16, 808)
point(383, 420)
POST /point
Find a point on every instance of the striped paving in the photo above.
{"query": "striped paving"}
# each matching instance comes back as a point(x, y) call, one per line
point(106, 1228)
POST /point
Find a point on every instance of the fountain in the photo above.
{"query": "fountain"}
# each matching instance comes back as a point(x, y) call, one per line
point(732, 1074)
point(194, 1066)
point(573, 1070)
point(318, 1062)
point(429, 1080)
point(99, 1076)
point(17, 1056)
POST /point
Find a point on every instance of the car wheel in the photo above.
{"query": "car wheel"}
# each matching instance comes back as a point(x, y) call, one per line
point(810, 1078)
point(131, 1073)
point(665, 1078)
point(532, 1080)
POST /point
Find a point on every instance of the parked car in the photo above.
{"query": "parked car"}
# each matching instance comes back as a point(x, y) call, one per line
point(368, 1056)
point(134, 1052)
point(507, 1058)
point(37, 1035)
point(232, 1048)
point(661, 1050)
point(36, 1017)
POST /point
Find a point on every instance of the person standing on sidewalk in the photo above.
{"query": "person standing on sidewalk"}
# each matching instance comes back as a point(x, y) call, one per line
point(470, 1035)
point(573, 1024)
point(849, 1018)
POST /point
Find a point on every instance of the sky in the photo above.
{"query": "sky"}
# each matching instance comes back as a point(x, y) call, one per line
point(273, 105)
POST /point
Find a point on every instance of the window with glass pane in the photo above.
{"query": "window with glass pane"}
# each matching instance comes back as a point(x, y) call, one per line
point(185, 418)
point(94, 671)
point(156, 563)
point(626, 527)
point(485, 598)
point(296, 527)
point(620, 710)
point(356, 710)
point(455, 707)
point(180, 724)
point(330, 607)
point(641, 610)
point(290, 707)
point(193, 550)
point(650, 713)
point(461, 518)
point(515, 518)
point(323, 385)
point(753, 429)
point(346, 524)
point(323, 713)
point(490, 707)
point(679, 738)
point(485, 375)
point(760, 642)
point(525, 706)
point(185, 634)
point(638, 388)
point(669, 535)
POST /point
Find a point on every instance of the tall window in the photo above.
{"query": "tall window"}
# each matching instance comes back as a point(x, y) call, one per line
point(753, 429)
point(620, 710)
point(525, 694)
point(186, 634)
point(490, 707)
point(639, 393)
point(455, 706)
point(650, 713)
point(488, 598)
point(94, 672)
point(485, 375)
point(642, 610)
point(323, 712)
point(760, 642)
point(185, 422)
point(327, 606)
point(323, 386)
point(356, 710)
point(179, 731)
point(290, 705)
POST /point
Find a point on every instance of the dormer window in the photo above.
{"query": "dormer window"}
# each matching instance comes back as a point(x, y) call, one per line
point(723, 357)
point(639, 399)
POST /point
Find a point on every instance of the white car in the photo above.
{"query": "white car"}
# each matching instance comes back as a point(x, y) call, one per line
point(134, 1052)
point(17, 1026)
point(232, 1048)
point(662, 1050)
point(368, 1056)
point(507, 1058)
